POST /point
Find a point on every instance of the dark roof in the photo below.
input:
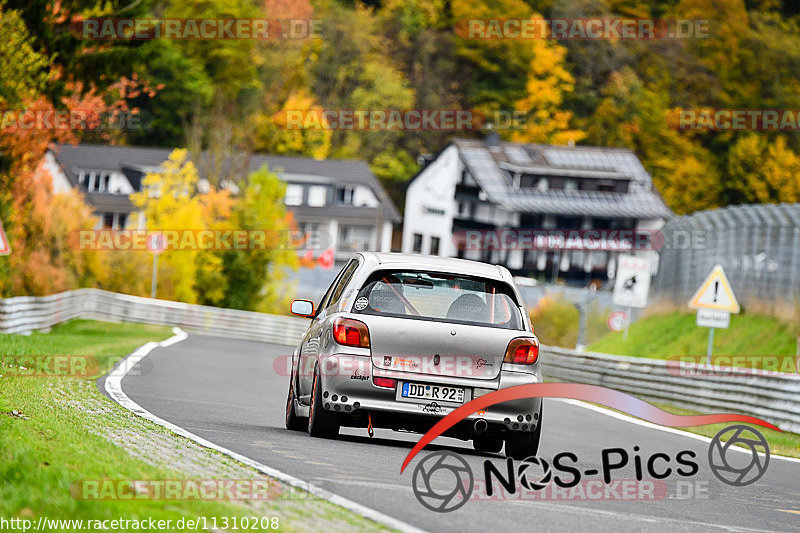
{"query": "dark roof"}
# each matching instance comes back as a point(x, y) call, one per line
point(106, 202)
point(130, 160)
point(486, 163)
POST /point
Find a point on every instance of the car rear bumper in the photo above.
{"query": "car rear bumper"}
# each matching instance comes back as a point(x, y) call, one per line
point(350, 392)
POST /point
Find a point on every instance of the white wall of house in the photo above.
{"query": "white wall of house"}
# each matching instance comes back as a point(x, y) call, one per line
point(430, 204)
point(386, 239)
point(61, 184)
point(364, 197)
point(119, 184)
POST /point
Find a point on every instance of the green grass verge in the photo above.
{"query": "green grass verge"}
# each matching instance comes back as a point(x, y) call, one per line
point(676, 334)
point(41, 457)
point(781, 443)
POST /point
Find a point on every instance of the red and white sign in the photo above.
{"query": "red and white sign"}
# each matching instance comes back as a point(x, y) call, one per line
point(156, 243)
point(5, 246)
point(632, 283)
point(618, 321)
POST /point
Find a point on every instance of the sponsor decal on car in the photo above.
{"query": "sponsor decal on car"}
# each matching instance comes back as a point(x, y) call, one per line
point(404, 363)
point(432, 407)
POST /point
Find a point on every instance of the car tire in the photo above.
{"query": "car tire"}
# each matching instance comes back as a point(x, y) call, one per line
point(321, 423)
point(521, 444)
point(293, 422)
point(488, 443)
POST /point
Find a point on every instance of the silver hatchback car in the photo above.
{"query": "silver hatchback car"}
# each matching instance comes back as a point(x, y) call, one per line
point(399, 341)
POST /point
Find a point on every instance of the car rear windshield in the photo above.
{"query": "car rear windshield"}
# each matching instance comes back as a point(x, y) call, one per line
point(439, 297)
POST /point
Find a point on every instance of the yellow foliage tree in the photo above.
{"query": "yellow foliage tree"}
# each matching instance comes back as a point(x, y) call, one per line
point(764, 172)
point(169, 201)
point(280, 134)
point(548, 81)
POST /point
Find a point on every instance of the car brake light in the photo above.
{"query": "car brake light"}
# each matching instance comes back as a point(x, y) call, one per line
point(522, 351)
point(388, 383)
point(349, 332)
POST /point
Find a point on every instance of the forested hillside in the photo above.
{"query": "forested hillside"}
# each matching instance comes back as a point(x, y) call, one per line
point(232, 95)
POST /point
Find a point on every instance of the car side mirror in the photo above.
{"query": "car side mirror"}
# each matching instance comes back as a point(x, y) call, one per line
point(303, 308)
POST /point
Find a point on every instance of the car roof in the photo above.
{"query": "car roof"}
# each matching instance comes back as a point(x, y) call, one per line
point(436, 263)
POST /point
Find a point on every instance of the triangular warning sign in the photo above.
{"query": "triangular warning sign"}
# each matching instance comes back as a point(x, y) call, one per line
point(715, 293)
point(5, 247)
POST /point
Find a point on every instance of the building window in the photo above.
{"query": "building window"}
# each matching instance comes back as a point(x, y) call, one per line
point(108, 220)
point(355, 238)
point(294, 194)
point(570, 185)
point(344, 195)
point(317, 196)
point(122, 220)
point(606, 186)
point(434, 246)
point(95, 181)
point(417, 243)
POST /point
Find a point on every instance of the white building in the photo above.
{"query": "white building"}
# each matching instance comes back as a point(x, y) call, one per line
point(484, 186)
point(340, 199)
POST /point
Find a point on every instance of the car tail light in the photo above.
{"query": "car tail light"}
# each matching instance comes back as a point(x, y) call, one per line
point(522, 351)
point(351, 332)
point(388, 383)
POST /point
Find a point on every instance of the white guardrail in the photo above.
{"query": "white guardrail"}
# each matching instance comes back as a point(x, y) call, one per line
point(775, 398)
point(27, 313)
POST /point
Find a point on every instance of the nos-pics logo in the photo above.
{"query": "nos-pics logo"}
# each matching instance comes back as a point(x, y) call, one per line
point(443, 481)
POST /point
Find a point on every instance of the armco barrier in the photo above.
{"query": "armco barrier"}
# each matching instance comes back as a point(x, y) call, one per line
point(775, 398)
point(27, 313)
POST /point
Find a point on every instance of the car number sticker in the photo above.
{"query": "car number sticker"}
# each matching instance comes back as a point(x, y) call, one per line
point(361, 303)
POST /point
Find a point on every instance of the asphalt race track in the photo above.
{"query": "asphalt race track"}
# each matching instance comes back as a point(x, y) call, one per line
point(228, 392)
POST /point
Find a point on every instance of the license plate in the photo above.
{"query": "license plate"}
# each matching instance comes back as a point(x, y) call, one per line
point(440, 393)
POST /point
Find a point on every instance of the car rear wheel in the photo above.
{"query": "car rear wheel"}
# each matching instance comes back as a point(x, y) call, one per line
point(293, 422)
point(321, 423)
point(488, 443)
point(520, 445)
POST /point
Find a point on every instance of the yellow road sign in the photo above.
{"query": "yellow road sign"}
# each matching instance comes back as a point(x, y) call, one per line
point(715, 293)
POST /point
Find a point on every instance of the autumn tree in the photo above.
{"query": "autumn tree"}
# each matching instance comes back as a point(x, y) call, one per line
point(39, 222)
point(169, 200)
point(763, 171)
point(256, 278)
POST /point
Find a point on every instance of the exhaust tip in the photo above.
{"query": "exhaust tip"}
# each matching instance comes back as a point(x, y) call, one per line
point(480, 426)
